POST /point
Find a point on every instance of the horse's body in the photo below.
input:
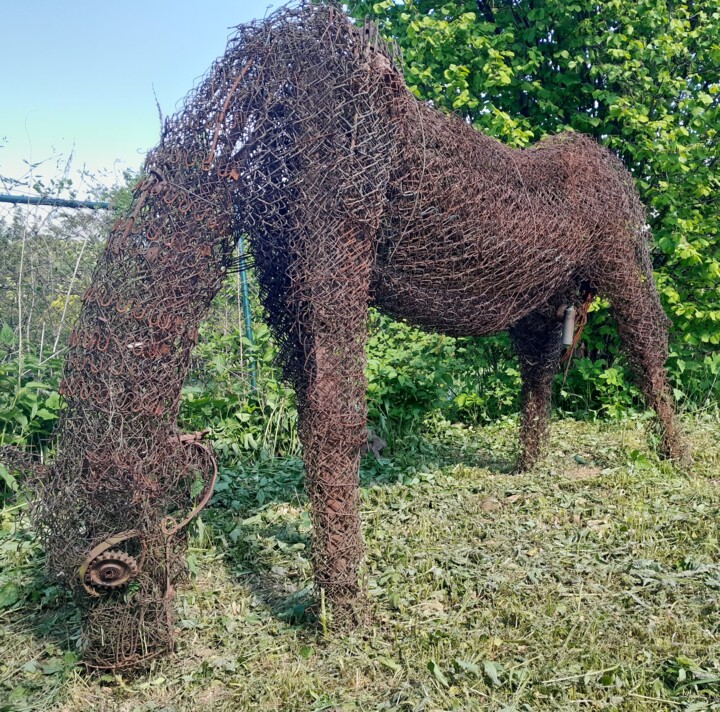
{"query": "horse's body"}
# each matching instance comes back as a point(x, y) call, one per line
point(477, 235)
point(351, 192)
point(526, 232)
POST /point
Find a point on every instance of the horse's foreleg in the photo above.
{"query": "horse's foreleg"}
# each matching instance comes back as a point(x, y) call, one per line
point(333, 412)
point(537, 342)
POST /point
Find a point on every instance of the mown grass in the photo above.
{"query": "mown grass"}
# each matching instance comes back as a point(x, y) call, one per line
point(591, 583)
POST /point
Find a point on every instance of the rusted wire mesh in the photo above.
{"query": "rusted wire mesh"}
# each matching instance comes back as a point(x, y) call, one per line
point(351, 191)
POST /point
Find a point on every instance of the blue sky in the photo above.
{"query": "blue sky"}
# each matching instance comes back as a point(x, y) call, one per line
point(79, 76)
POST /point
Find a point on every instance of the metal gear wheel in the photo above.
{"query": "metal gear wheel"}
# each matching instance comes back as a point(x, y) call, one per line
point(112, 569)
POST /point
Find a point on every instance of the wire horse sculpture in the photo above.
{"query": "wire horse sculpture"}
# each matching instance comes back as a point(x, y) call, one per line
point(352, 192)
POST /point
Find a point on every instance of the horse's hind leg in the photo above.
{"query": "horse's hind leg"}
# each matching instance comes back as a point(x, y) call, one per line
point(537, 342)
point(626, 280)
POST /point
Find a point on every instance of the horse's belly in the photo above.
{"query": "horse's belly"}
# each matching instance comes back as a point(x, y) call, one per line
point(475, 306)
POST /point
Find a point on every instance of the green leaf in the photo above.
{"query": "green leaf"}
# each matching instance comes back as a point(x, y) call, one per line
point(438, 674)
point(52, 666)
point(467, 666)
point(9, 480)
point(197, 486)
point(45, 414)
point(7, 335)
point(30, 666)
point(9, 595)
point(18, 698)
point(492, 671)
point(389, 663)
point(69, 658)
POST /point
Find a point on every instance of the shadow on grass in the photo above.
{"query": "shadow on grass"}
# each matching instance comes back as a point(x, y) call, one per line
point(260, 515)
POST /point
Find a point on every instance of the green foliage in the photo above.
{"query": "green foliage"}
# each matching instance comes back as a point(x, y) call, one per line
point(409, 373)
point(121, 197)
point(29, 407)
point(8, 483)
point(217, 396)
point(644, 79)
point(487, 381)
point(47, 258)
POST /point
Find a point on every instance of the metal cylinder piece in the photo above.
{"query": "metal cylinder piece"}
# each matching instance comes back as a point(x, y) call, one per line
point(568, 331)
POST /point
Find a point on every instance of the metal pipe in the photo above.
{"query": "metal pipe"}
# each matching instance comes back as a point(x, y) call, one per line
point(53, 202)
point(568, 331)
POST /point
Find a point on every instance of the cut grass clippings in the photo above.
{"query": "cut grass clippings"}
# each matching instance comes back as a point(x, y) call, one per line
point(590, 583)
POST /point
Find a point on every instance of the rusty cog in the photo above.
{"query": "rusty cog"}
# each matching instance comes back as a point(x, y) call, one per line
point(112, 569)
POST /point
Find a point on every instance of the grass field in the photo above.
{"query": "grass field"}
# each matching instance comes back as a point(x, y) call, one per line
point(591, 583)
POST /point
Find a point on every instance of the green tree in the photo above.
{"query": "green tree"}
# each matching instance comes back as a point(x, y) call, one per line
point(643, 77)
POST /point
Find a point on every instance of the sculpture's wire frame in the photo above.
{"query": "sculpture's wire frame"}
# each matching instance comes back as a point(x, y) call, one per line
point(352, 192)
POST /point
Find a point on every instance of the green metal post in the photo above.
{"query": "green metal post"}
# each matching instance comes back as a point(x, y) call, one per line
point(246, 308)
